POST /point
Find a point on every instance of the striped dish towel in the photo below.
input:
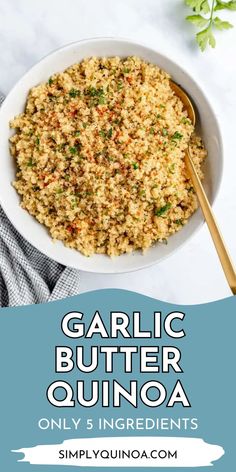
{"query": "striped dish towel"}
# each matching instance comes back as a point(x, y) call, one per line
point(26, 275)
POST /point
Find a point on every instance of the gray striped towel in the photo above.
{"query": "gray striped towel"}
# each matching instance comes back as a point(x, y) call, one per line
point(26, 275)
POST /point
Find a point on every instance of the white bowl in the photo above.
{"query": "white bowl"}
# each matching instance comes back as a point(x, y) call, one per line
point(37, 234)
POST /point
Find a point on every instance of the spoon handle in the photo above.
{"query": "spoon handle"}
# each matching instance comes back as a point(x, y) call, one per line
point(223, 254)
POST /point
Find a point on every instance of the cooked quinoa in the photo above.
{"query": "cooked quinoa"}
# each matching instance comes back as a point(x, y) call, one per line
point(100, 156)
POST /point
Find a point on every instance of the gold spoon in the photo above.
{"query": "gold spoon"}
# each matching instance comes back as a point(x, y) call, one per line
point(223, 254)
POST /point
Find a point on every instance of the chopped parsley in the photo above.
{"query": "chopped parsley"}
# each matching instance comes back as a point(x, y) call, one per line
point(109, 134)
point(185, 121)
point(59, 190)
point(179, 222)
point(73, 150)
point(119, 85)
point(172, 168)
point(37, 141)
point(102, 133)
point(50, 81)
point(105, 134)
point(77, 133)
point(135, 165)
point(93, 92)
point(74, 93)
point(176, 135)
point(126, 70)
point(164, 132)
point(30, 163)
point(161, 211)
point(152, 130)
point(101, 100)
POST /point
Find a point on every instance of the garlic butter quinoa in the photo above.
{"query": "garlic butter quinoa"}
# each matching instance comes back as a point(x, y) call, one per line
point(100, 156)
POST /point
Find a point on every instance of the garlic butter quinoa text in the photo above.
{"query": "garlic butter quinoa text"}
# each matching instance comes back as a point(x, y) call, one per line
point(100, 156)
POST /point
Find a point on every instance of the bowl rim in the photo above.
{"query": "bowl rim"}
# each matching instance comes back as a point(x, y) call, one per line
point(198, 85)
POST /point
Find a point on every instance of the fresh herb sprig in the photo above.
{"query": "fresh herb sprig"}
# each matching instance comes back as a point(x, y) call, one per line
point(205, 17)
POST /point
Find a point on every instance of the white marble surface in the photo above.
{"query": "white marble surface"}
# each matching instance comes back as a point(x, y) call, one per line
point(32, 28)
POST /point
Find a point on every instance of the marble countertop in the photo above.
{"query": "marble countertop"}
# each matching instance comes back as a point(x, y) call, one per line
point(31, 29)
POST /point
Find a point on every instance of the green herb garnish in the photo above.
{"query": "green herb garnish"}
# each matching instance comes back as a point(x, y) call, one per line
point(102, 133)
point(172, 168)
point(59, 190)
point(161, 211)
point(205, 17)
point(37, 141)
point(135, 165)
point(93, 92)
point(105, 134)
point(165, 132)
point(109, 133)
point(126, 70)
point(185, 121)
point(50, 81)
point(30, 163)
point(74, 93)
point(152, 130)
point(176, 135)
point(77, 133)
point(179, 222)
point(119, 85)
point(73, 150)
point(101, 100)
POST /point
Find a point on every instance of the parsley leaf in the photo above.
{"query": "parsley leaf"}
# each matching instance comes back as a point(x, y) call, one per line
point(93, 92)
point(161, 211)
point(225, 5)
point(198, 5)
point(221, 25)
point(30, 163)
point(74, 93)
point(102, 133)
point(176, 135)
point(109, 133)
point(211, 22)
point(205, 37)
point(73, 150)
point(197, 20)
